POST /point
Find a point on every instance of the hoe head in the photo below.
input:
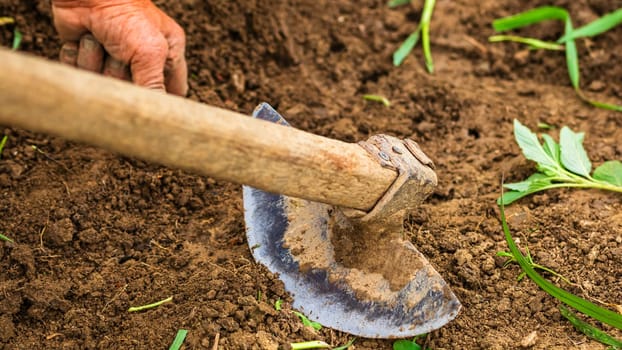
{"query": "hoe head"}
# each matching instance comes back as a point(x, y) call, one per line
point(349, 270)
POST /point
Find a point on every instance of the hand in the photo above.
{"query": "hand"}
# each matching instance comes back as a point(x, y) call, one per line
point(132, 33)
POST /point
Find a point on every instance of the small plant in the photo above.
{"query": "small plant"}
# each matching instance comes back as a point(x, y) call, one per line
point(408, 344)
point(590, 330)
point(560, 165)
point(377, 98)
point(278, 304)
point(544, 13)
point(305, 321)
point(423, 30)
point(318, 344)
point(2, 144)
point(150, 306)
point(179, 339)
point(511, 259)
point(601, 314)
point(5, 238)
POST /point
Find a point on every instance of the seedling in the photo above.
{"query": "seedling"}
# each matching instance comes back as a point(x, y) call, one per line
point(590, 330)
point(601, 314)
point(2, 143)
point(377, 98)
point(150, 306)
point(17, 39)
point(570, 34)
point(278, 305)
point(560, 165)
point(5, 238)
point(305, 321)
point(179, 339)
point(511, 259)
point(408, 344)
point(423, 30)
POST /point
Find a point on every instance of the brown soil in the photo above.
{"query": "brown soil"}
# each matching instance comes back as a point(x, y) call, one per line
point(96, 233)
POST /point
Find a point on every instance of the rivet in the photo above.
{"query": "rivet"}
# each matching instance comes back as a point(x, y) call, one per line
point(397, 150)
point(384, 156)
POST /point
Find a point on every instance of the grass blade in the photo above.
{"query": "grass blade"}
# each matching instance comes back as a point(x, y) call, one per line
point(601, 314)
point(526, 18)
point(5, 238)
point(407, 46)
point(589, 330)
point(426, 17)
point(595, 27)
point(17, 39)
point(3, 143)
point(179, 339)
point(532, 42)
point(314, 344)
point(377, 98)
point(346, 345)
point(149, 306)
point(572, 57)
point(396, 3)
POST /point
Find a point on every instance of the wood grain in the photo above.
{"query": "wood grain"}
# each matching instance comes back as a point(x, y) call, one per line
point(48, 97)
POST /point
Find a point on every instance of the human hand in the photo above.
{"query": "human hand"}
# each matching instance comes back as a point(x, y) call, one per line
point(116, 37)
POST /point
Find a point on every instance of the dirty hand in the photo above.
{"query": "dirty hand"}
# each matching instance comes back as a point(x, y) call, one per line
point(133, 33)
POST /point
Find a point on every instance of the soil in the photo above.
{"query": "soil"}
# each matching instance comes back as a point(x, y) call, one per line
point(95, 233)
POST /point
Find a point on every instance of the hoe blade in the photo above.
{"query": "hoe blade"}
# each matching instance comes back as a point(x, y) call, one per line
point(336, 274)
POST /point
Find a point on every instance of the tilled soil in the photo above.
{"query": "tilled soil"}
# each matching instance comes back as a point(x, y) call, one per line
point(96, 233)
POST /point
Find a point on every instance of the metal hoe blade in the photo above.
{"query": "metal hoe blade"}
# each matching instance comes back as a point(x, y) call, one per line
point(342, 271)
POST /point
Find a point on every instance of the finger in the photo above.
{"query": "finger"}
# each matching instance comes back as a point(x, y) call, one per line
point(69, 53)
point(90, 54)
point(116, 69)
point(176, 69)
point(147, 64)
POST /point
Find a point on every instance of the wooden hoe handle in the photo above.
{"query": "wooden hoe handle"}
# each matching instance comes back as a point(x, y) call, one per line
point(48, 97)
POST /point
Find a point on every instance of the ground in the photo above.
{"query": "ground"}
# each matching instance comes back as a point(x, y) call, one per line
point(96, 233)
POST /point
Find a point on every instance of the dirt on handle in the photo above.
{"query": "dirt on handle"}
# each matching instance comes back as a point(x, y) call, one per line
point(96, 233)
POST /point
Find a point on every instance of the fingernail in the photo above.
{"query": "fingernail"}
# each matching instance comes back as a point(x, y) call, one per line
point(89, 43)
point(69, 52)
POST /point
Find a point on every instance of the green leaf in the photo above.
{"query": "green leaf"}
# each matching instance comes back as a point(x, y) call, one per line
point(595, 27)
point(277, 305)
point(3, 143)
point(179, 339)
point(526, 18)
point(589, 330)
point(17, 39)
point(396, 3)
point(551, 147)
point(5, 238)
point(572, 56)
point(407, 46)
point(609, 172)
point(406, 345)
point(573, 155)
point(305, 321)
point(530, 145)
point(532, 42)
point(601, 314)
point(531, 182)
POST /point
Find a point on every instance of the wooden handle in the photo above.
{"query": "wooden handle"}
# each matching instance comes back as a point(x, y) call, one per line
point(48, 97)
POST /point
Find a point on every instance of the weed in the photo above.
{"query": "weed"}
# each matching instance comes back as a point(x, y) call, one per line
point(315, 325)
point(179, 339)
point(408, 344)
point(590, 330)
point(560, 165)
point(601, 314)
point(278, 304)
point(544, 13)
point(2, 144)
point(377, 98)
point(150, 306)
point(511, 259)
point(423, 30)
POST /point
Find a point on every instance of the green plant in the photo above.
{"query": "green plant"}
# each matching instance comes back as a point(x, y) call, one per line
point(404, 344)
point(150, 306)
point(278, 304)
point(544, 13)
point(560, 165)
point(511, 259)
point(590, 330)
point(179, 339)
point(2, 144)
point(377, 98)
point(423, 30)
point(305, 321)
point(601, 314)
point(5, 238)
point(17, 39)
